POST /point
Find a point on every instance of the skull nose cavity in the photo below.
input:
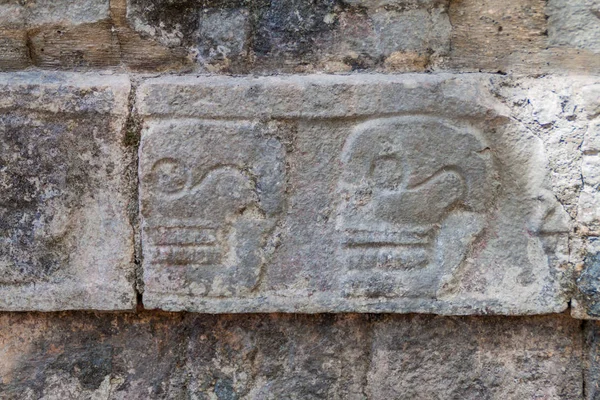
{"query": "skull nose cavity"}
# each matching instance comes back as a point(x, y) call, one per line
point(425, 203)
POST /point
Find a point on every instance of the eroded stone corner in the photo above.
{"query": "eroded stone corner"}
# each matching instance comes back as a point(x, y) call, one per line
point(562, 112)
point(586, 304)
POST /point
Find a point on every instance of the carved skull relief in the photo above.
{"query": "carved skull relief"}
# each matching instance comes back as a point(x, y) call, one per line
point(414, 193)
point(216, 195)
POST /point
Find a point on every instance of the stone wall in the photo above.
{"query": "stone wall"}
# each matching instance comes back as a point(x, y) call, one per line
point(294, 199)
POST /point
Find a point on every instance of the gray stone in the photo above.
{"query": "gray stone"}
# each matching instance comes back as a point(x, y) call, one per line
point(591, 99)
point(368, 193)
point(574, 23)
point(295, 35)
point(34, 13)
point(223, 34)
point(175, 356)
point(591, 141)
point(41, 12)
point(475, 358)
point(65, 239)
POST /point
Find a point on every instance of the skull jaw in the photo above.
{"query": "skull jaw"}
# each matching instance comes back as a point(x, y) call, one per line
point(411, 271)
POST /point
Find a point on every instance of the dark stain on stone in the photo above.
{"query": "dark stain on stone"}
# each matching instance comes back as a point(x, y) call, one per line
point(588, 284)
point(44, 174)
point(89, 365)
point(292, 26)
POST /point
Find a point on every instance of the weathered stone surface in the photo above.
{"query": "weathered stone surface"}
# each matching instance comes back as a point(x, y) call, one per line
point(264, 37)
point(361, 193)
point(563, 113)
point(296, 35)
point(65, 237)
point(574, 23)
point(173, 356)
point(84, 34)
point(512, 36)
point(468, 358)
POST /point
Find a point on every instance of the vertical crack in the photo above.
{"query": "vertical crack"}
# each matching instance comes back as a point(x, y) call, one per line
point(131, 141)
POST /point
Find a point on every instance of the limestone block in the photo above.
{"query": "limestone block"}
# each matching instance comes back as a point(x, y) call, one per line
point(222, 34)
point(373, 193)
point(339, 357)
point(574, 23)
point(13, 49)
point(561, 112)
point(589, 206)
point(590, 171)
point(40, 12)
point(518, 36)
point(485, 32)
point(591, 99)
point(55, 33)
point(591, 142)
point(65, 239)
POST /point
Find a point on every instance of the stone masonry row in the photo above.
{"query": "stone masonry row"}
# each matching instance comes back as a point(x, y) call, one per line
point(125, 356)
point(264, 36)
point(449, 194)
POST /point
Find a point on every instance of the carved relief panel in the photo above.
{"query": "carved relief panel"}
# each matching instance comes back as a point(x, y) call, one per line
point(332, 194)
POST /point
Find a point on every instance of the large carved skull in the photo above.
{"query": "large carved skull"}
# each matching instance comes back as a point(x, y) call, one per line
point(414, 191)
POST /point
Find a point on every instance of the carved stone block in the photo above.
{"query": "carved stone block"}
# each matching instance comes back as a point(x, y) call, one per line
point(345, 193)
point(65, 237)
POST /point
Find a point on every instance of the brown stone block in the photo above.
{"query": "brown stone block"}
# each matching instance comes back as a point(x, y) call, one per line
point(13, 50)
point(87, 45)
point(493, 28)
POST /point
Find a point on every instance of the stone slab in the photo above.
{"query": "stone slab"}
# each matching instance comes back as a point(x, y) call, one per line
point(66, 241)
point(370, 193)
point(174, 356)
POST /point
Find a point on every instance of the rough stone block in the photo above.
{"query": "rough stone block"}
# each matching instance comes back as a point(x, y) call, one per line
point(469, 358)
point(85, 45)
point(409, 193)
point(40, 12)
point(14, 54)
point(174, 356)
point(65, 240)
point(574, 23)
point(513, 36)
point(296, 35)
point(487, 32)
point(589, 206)
point(56, 33)
point(591, 142)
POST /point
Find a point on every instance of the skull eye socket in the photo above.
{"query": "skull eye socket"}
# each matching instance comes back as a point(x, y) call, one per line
point(386, 172)
point(169, 175)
